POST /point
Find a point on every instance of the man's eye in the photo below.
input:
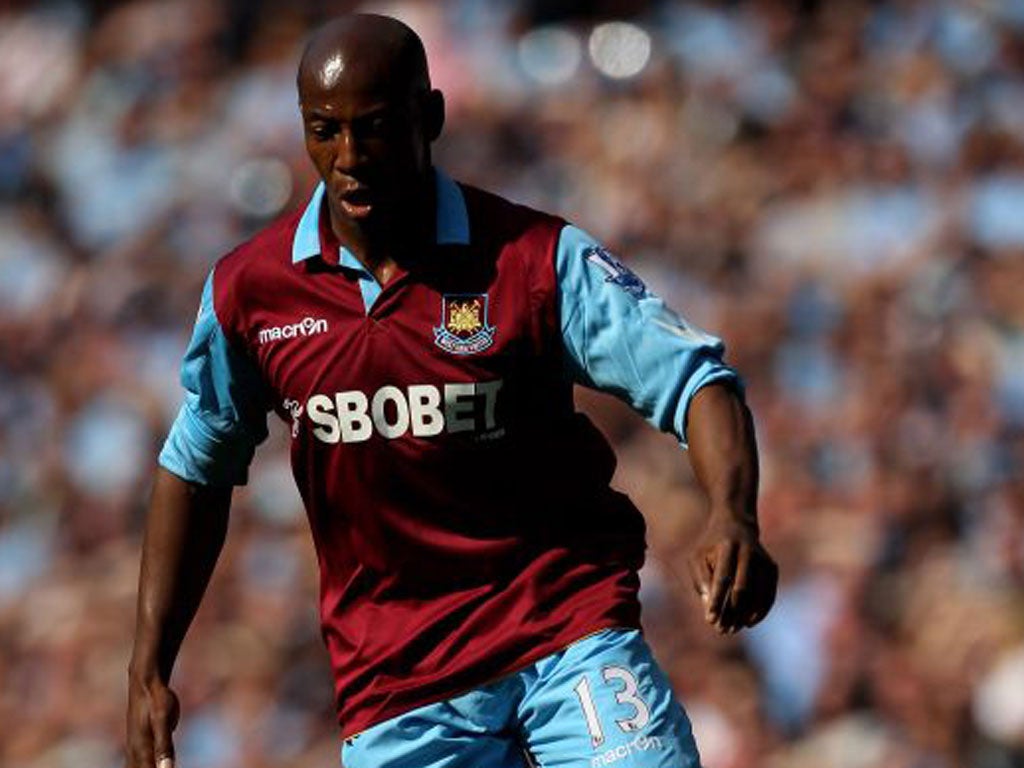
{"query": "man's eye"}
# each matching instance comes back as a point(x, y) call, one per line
point(322, 131)
point(377, 125)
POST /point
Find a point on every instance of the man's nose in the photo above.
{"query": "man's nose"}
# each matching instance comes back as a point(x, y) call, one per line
point(348, 156)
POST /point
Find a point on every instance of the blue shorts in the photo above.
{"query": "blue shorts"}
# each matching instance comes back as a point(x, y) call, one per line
point(602, 701)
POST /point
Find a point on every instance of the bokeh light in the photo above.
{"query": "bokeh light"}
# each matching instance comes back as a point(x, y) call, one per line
point(619, 49)
point(261, 187)
point(550, 55)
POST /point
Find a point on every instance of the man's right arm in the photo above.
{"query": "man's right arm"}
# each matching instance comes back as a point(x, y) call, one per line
point(207, 452)
point(185, 532)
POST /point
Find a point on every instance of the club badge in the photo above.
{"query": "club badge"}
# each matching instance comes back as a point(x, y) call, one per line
point(464, 329)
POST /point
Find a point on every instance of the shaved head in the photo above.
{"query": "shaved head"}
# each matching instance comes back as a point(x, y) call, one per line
point(364, 51)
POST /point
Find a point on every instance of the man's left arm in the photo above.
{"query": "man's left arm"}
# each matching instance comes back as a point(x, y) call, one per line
point(621, 338)
point(731, 570)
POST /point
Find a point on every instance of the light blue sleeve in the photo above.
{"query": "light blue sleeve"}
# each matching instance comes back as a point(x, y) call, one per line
point(621, 338)
point(224, 416)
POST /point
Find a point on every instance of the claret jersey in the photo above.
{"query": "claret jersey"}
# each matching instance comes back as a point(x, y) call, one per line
point(460, 507)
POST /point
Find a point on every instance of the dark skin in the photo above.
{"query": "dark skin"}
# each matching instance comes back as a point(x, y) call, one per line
point(185, 531)
point(370, 117)
point(731, 570)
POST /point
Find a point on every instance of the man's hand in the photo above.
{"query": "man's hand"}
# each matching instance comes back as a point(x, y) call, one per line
point(734, 575)
point(152, 717)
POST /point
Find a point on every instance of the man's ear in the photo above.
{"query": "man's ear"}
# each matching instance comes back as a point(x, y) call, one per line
point(433, 114)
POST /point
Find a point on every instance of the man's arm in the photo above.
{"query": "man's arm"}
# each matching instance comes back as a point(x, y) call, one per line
point(731, 570)
point(185, 532)
point(621, 338)
point(207, 452)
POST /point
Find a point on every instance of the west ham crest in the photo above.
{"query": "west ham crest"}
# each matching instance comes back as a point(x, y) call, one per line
point(464, 329)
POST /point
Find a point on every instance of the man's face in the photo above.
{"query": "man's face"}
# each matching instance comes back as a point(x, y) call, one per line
point(369, 140)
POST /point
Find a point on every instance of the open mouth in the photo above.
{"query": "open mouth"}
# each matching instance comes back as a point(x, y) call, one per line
point(357, 202)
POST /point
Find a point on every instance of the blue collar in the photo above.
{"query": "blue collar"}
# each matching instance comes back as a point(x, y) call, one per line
point(452, 220)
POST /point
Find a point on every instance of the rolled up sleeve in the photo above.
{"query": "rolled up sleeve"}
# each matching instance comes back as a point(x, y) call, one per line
point(224, 414)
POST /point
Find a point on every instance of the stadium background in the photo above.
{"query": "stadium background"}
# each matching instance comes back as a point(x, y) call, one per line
point(836, 188)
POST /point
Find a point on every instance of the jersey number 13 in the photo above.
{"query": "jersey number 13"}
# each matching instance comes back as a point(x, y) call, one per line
point(626, 695)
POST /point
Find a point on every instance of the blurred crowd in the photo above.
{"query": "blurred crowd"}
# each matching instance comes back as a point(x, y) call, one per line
point(835, 188)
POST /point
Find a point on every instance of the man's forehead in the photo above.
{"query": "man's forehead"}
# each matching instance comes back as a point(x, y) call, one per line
point(345, 101)
point(343, 75)
point(346, 108)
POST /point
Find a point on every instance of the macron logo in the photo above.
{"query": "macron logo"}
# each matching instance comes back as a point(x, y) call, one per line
point(306, 327)
point(641, 743)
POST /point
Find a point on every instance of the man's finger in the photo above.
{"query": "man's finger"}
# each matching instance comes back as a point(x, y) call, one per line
point(760, 608)
point(700, 575)
point(727, 619)
point(140, 733)
point(164, 719)
point(738, 595)
point(766, 585)
point(163, 750)
point(722, 570)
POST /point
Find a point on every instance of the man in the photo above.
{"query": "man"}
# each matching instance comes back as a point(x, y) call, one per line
point(478, 575)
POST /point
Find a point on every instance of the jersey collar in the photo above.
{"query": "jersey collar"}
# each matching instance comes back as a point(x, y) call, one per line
point(452, 222)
